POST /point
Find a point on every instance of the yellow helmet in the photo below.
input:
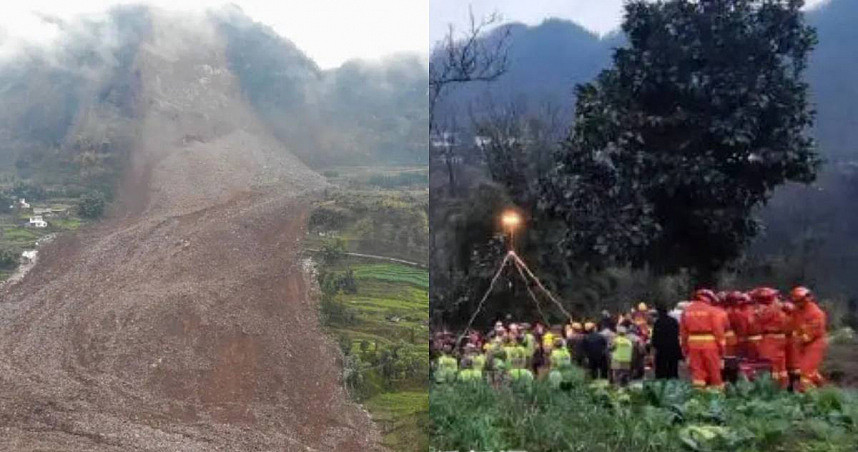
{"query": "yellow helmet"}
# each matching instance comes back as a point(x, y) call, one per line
point(576, 326)
point(589, 326)
point(642, 307)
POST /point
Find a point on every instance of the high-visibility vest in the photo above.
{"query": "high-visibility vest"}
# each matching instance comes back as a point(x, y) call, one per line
point(470, 375)
point(622, 350)
point(560, 358)
point(524, 375)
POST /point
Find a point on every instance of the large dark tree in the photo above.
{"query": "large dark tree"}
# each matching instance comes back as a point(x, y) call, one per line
point(701, 117)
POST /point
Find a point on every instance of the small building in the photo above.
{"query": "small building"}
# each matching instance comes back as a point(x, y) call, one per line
point(37, 222)
point(29, 255)
point(45, 211)
point(23, 204)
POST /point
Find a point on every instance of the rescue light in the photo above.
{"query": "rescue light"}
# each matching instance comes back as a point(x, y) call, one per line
point(510, 219)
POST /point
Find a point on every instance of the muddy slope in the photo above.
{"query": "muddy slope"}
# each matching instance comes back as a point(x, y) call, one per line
point(183, 323)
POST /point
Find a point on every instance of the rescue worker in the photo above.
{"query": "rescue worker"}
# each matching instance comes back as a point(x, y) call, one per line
point(665, 341)
point(478, 360)
point(446, 366)
point(621, 357)
point(736, 302)
point(640, 318)
point(560, 375)
point(575, 343)
point(702, 339)
point(753, 330)
point(596, 349)
point(469, 374)
point(811, 329)
point(729, 335)
point(730, 365)
point(772, 320)
point(518, 373)
point(792, 347)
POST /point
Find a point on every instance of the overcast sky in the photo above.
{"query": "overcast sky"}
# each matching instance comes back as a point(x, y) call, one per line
point(601, 16)
point(329, 31)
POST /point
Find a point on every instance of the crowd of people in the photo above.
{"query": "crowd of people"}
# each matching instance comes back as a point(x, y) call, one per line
point(719, 336)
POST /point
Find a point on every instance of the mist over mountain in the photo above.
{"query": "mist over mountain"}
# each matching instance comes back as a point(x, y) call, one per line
point(71, 108)
point(546, 62)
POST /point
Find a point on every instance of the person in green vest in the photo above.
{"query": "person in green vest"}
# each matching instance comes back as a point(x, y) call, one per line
point(446, 366)
point(519, 375)
point(621, 356)
point(560, 375)
point(469, 374)
point(478, 360)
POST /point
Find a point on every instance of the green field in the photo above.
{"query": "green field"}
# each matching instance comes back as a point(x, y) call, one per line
point(378, 312)
point(654, 416)
point(385, 336)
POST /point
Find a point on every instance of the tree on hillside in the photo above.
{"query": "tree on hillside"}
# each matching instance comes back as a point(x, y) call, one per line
point(91, 205)
point(700, 118)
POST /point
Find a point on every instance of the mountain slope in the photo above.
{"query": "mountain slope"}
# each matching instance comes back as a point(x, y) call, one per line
point(185, 322)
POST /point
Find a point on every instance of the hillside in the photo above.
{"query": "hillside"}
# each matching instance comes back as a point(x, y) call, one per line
point(183, 321)
point(68, 107)
point(547, 60)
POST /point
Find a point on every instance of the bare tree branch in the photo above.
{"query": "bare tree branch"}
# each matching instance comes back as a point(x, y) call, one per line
point(466, 58)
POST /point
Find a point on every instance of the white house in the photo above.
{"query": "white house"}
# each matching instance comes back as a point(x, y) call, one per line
point(24, 204)
point(29, 255)
point(38, 222)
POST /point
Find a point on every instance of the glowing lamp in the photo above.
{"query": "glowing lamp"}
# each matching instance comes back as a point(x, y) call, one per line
point(510, 219)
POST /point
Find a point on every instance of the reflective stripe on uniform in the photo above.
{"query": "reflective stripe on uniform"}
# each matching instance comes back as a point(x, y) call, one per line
point(701, 338)
point(776, 335)
point(758, 337)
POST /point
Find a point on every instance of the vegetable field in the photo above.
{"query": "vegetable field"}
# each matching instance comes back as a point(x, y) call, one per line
point(652, 416)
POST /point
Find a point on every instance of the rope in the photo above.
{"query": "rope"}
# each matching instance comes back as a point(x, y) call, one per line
point(485, 296)
point(539, 284)
point(532, 295)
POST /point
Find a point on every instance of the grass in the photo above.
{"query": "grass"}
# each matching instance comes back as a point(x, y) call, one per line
point(395, 273)
point(655, 416)
point(19, 234)
point(69, 224)
point(401, 416)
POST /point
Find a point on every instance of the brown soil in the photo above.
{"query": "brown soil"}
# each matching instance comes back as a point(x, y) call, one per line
point(183, 323)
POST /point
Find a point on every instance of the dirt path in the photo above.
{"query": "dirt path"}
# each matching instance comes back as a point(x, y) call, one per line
point(184, 323)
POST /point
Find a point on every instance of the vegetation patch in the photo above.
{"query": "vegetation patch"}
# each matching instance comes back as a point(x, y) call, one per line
point(651, 416)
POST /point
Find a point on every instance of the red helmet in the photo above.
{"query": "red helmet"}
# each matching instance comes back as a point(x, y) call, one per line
point(735, 298)
point(801, 294)
point(706, 296)
point(764, 295)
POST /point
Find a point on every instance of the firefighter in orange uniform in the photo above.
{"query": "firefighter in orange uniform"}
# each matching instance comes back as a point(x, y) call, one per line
point(793, 345)
point(773, 321)
point(810, 326)
point(729, 335)
point(753, 330)
point(702, 338)
point(736, 302)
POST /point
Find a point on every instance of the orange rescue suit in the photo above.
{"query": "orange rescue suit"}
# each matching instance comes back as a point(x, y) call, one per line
point(793, 345)
point(773, 322)
point(810, 327)
point(752, 330)
point(730, 342)
point(702, 337)
point(739, 322)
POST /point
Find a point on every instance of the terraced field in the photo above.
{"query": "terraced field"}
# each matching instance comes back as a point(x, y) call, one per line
point(387, 337)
